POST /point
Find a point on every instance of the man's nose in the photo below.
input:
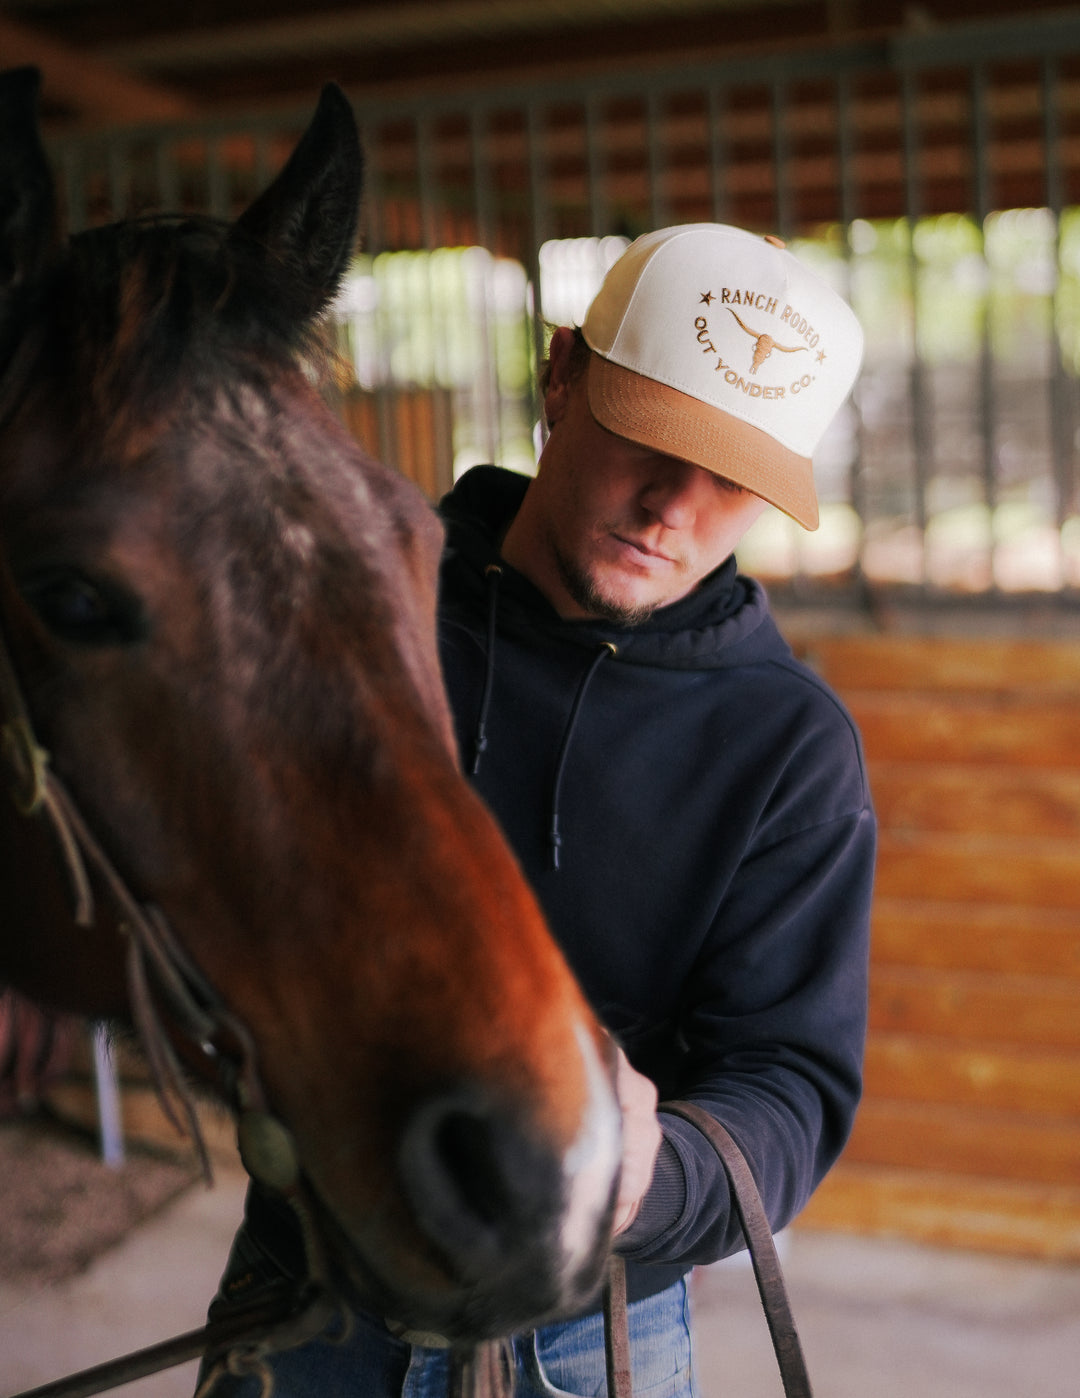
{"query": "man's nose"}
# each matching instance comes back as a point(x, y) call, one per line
point(673, 491)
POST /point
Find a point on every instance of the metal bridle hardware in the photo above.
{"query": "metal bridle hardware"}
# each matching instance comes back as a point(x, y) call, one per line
point(157, 966)
point(159, 970)
point(26, 764)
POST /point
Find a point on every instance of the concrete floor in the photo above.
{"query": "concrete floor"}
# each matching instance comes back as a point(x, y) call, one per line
point(877, 1319)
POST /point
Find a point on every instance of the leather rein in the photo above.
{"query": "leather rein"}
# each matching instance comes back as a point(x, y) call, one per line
point(164, 986)
point(159, 971)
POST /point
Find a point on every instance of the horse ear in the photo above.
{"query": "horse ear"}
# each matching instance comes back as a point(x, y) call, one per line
point(307, 219)
point(27, 199)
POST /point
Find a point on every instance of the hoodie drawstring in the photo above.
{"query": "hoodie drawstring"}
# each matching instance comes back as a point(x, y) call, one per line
point(554, 835)
point(492, 573)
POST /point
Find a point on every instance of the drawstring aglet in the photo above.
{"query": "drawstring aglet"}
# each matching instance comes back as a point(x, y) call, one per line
point(555, 840)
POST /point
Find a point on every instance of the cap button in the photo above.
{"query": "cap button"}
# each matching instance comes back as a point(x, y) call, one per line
point(776, 242)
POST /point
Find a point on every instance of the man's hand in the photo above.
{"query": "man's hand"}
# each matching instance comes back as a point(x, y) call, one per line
point(641, 1140)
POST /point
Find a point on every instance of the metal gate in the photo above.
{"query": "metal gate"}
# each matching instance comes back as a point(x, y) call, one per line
point(935, 179)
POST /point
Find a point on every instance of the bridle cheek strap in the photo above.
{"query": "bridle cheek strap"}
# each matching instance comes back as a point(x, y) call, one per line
point(161, 978)
point(162, 981)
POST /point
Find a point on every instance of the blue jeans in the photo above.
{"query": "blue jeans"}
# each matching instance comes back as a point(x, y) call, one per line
point(363, 1360)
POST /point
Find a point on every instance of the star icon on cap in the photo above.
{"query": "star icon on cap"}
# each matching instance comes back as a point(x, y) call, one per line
point(707, 297)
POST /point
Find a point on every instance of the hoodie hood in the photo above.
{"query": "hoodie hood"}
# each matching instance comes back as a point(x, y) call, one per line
point(724, 621)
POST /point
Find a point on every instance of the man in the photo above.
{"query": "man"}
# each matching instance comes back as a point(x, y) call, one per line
point(688, 801)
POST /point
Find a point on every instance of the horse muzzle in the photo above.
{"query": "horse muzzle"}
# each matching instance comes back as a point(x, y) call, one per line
point(494, 1228)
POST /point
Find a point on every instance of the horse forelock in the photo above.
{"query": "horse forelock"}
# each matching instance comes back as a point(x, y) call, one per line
point(140, 310)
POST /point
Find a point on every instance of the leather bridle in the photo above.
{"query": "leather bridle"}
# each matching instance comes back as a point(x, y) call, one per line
point(162, 980)
point(167, 995)
point(165, 985)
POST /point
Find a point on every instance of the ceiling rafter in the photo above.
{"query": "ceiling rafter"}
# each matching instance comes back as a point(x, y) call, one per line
point(423, 22)
point(96, 90)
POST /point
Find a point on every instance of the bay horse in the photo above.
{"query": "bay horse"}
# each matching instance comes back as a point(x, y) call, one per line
point(223, 691)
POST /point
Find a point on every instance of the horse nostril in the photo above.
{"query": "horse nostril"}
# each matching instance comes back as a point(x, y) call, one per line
point(481, 1187)
point(464, 1144)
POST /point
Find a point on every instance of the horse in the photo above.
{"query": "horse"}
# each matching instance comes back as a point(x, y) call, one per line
point(237, 818)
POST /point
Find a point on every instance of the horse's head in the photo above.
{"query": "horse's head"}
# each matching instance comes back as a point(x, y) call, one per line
point(222, 618)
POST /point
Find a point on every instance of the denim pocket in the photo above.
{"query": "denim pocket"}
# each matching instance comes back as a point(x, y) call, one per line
point(568, 1361)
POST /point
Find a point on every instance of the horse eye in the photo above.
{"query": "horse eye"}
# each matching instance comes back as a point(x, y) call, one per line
point(75, 608)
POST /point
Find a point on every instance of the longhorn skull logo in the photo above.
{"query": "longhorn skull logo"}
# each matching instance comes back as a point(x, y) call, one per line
point(764, 345)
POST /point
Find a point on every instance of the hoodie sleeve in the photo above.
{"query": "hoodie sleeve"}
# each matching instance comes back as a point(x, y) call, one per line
point(774, 1027)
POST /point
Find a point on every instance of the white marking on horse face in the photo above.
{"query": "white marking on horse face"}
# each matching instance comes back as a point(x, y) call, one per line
point(591, 1165)
point(299, 540)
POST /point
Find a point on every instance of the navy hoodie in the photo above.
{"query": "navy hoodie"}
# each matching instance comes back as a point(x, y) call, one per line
point(690, 804)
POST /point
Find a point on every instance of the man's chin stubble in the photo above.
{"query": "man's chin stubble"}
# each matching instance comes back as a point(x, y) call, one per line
point(590, 599)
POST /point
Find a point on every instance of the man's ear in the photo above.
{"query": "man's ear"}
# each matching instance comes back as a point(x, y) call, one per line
point(559, 378)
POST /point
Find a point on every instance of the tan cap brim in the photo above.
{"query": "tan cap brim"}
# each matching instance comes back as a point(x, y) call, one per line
point(677, 424)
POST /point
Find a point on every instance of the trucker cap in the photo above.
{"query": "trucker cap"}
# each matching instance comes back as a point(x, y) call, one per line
point(721, 348)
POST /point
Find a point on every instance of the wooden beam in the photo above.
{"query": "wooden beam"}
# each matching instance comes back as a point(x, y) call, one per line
point(423, 23)
point(99, 93)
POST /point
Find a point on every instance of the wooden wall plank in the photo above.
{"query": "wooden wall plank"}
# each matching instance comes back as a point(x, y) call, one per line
point(979, 869)
point(948, 664)
point(979, 937)
point(1024, 1011)
point(1001, 1077)
point(1012, 731)
point(1003, 1216)
point(1025, 802)
point(966, 1141)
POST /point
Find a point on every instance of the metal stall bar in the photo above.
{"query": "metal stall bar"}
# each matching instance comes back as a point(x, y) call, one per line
point(490, 413)
point(119, 167)
point(373, 235)
point(440, 471)
point(717, 148)
point(658, 215)
point(848, 210)
point(73, 181)
point(921, 423)
point(1061, 394)
point(596, 166)
point(539, 222)
point(780, 154)
point(980, 146)
point(167, 175)
point(218, 185)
